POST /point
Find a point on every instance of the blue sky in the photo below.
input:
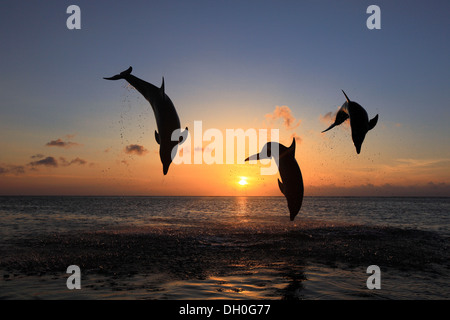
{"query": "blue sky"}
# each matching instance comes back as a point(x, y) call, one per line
point(228, 63)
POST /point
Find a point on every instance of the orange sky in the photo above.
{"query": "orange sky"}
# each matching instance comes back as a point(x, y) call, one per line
point(65, 130)
point(329, 164)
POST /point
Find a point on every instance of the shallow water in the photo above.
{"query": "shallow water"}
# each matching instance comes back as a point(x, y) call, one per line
point(223, 247)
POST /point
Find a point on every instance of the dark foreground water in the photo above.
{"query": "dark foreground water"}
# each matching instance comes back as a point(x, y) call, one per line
point(223, 247)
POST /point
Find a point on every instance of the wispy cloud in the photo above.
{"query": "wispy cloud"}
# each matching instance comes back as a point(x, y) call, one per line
point(70, 136)
point(46, 162)
point(77, 160)
point(52, 162)
point(290, 123)
point(62, 144)
point(408, 165)
point(283, 112)
point(298, 139)
point(37, 156)
point(420, 162)
point(49, 162)
point(328, 117)
point(12, 169)
point(430, 189)
point(135, 149)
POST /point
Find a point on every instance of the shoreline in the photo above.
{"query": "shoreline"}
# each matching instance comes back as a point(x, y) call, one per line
point(190, 254)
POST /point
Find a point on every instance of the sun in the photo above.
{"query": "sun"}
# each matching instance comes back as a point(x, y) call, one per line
point(243, 181)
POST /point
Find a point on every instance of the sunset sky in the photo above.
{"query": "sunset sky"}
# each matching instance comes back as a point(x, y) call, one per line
point(230, 64)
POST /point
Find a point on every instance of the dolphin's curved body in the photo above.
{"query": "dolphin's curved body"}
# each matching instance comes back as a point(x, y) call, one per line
point(166, 116)
point(291, 184)
point(359, 121)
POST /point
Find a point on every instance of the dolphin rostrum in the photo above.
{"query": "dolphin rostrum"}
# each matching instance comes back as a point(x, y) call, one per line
point(166, 116)
point(359, 121)
point(291, 184)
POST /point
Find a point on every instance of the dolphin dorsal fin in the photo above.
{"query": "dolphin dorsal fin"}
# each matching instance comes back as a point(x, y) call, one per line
point(348, 100)
point(292, 147)
point(280, 185)
point(157, 137)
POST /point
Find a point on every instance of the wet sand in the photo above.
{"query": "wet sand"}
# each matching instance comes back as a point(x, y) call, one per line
point(239, 262)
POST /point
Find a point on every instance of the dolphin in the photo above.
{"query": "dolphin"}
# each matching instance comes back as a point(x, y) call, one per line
point(291, 184)
point(166, 116)
point(359, 121)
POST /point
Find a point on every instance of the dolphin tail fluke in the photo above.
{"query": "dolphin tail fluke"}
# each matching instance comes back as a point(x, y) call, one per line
point(373, 122)
point(121, 75)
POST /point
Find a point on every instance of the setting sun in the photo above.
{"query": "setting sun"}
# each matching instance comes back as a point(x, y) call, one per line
point(243, 181)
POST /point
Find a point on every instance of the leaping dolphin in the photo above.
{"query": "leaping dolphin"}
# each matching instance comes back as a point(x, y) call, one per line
point(291, 184)
point(166, 116)
point(359, 121)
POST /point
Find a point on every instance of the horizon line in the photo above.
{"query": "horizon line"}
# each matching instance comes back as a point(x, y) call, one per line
point(224, 196)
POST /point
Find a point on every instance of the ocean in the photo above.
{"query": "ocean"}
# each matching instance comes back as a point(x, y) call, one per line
point(244, 248)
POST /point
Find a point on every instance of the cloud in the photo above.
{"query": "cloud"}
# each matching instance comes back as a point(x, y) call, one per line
point(430, 189)
point(62, 144)
point(37, 156)
point(328, 118)
point(289, 121)
point(283, 112)
point(77, 160)
point(47, 162)
point(298, 139)
point(70, 136)
point(12, 169)
point(52, 162)
point(421, 162)
point(135, 149)
point(416, 166)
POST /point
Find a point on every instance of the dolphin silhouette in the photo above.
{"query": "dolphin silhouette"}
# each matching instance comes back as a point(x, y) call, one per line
point(166, 116)
point(359, 121)
point(291, 184)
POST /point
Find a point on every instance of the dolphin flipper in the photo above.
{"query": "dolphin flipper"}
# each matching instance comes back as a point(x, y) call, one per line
point(341, 116)
point(280, 185)
point(183, 136)
point(373, 122)
point(157, 137)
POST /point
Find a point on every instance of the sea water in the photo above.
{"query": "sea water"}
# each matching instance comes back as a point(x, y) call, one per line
point(224, 247)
